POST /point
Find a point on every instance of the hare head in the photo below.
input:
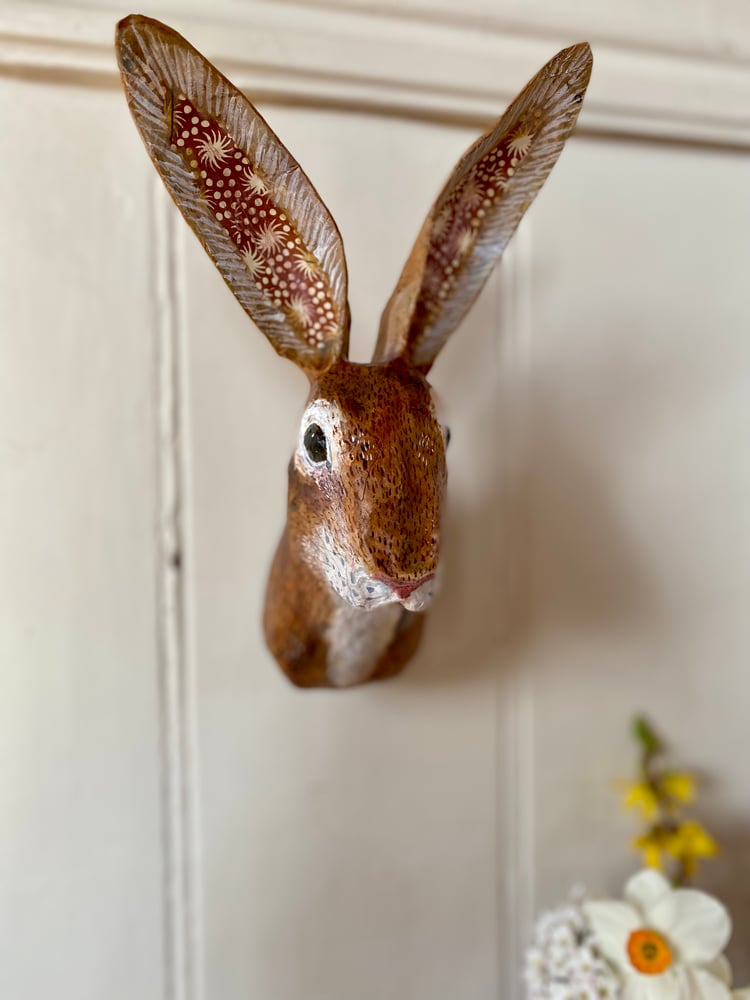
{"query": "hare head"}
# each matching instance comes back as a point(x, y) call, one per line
point(366, 483)
point(358, 558)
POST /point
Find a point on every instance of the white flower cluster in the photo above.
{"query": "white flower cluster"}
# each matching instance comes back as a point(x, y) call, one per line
point(563, 963)
point(659, 943)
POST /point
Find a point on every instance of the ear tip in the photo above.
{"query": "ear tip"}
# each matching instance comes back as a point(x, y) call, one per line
point(129, 28)
point(135, 37)
point(573, 65)
point(577, 59)
point(125, 26)
point(583, 48)
point(126, 33)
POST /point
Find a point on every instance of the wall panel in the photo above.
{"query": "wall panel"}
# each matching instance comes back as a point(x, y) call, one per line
point(640, 491)
point(80, 858)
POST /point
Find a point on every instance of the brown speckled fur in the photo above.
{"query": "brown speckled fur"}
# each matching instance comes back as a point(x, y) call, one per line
point(384, 497)
point(298, 610)
point(394, 459)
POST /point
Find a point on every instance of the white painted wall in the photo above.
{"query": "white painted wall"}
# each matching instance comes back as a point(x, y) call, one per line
point(176, 820)
point(80, 804)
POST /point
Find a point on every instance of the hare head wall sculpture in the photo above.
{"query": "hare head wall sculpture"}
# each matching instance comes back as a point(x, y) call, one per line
point(356, 564)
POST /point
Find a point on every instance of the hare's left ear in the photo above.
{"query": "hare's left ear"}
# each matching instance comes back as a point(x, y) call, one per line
point(241, 191)
point(478, 211)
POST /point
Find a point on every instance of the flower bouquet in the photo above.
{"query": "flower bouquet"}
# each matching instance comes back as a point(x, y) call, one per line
point(664, 940)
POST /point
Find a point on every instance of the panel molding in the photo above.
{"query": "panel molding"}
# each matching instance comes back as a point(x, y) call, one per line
point(411, 63)
point(690, 27)
point(179, 787)
point(514, 705)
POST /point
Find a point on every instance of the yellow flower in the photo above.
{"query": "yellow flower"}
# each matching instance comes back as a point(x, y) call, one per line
point(652, 845)
point(646, 797)
point(641, 797)
point(678, 786)
point(690, 842)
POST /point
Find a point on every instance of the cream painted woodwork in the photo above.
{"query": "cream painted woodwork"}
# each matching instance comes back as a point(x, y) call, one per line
point(177, 821)
point(81, 905)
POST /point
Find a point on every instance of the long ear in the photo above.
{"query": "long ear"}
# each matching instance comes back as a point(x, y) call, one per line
point(478, 211)
point(243, 194)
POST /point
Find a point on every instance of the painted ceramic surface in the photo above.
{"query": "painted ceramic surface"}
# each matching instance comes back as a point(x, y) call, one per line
point(368, 476)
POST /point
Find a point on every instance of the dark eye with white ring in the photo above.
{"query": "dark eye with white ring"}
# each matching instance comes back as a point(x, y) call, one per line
point(316, 445)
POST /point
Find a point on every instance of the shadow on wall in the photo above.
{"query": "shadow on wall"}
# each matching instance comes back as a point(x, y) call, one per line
point(544, 552)
point(728, 878)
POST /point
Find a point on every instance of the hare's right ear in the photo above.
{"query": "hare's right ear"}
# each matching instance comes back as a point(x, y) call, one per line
point(478, 211)
point(243, 194)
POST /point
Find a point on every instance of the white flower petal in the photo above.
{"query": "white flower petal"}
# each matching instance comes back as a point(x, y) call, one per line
point(704, 986)
point(612, 923)
point(663, 987)
point(695, 923)
point(720, 968)
point(645, 889)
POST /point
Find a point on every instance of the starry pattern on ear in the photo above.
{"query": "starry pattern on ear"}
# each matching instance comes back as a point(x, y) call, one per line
point(478, 210)
point(459, 218)
point(241, 191)
point(241, 199)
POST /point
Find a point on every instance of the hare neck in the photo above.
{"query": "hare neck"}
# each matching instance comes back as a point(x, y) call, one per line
point(317, 638)
point(357, 640)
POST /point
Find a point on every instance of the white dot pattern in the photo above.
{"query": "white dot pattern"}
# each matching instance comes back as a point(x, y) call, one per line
point(460, 218)
point(242, 201)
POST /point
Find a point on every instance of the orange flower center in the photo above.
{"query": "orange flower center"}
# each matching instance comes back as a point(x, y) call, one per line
point(649, 952)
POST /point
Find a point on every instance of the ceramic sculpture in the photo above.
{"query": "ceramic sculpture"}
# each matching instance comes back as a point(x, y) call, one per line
point(357, 563)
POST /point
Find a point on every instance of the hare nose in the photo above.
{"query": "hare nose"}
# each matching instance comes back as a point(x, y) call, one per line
point(403, 590)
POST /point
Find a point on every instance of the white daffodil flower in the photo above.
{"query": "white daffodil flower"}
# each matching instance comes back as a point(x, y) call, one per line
point(666, 943)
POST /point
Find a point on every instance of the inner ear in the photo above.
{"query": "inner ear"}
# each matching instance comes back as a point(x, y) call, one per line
point(241, 191)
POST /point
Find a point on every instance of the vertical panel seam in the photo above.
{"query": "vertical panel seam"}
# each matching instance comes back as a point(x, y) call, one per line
point(515, 709)
point(191, 787)
point(179, 977)
point(524, 694)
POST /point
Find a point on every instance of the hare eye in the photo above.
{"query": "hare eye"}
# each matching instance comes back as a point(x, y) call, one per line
point(315, 444)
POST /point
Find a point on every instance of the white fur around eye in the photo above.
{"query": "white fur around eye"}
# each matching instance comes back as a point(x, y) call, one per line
point(327, 416)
